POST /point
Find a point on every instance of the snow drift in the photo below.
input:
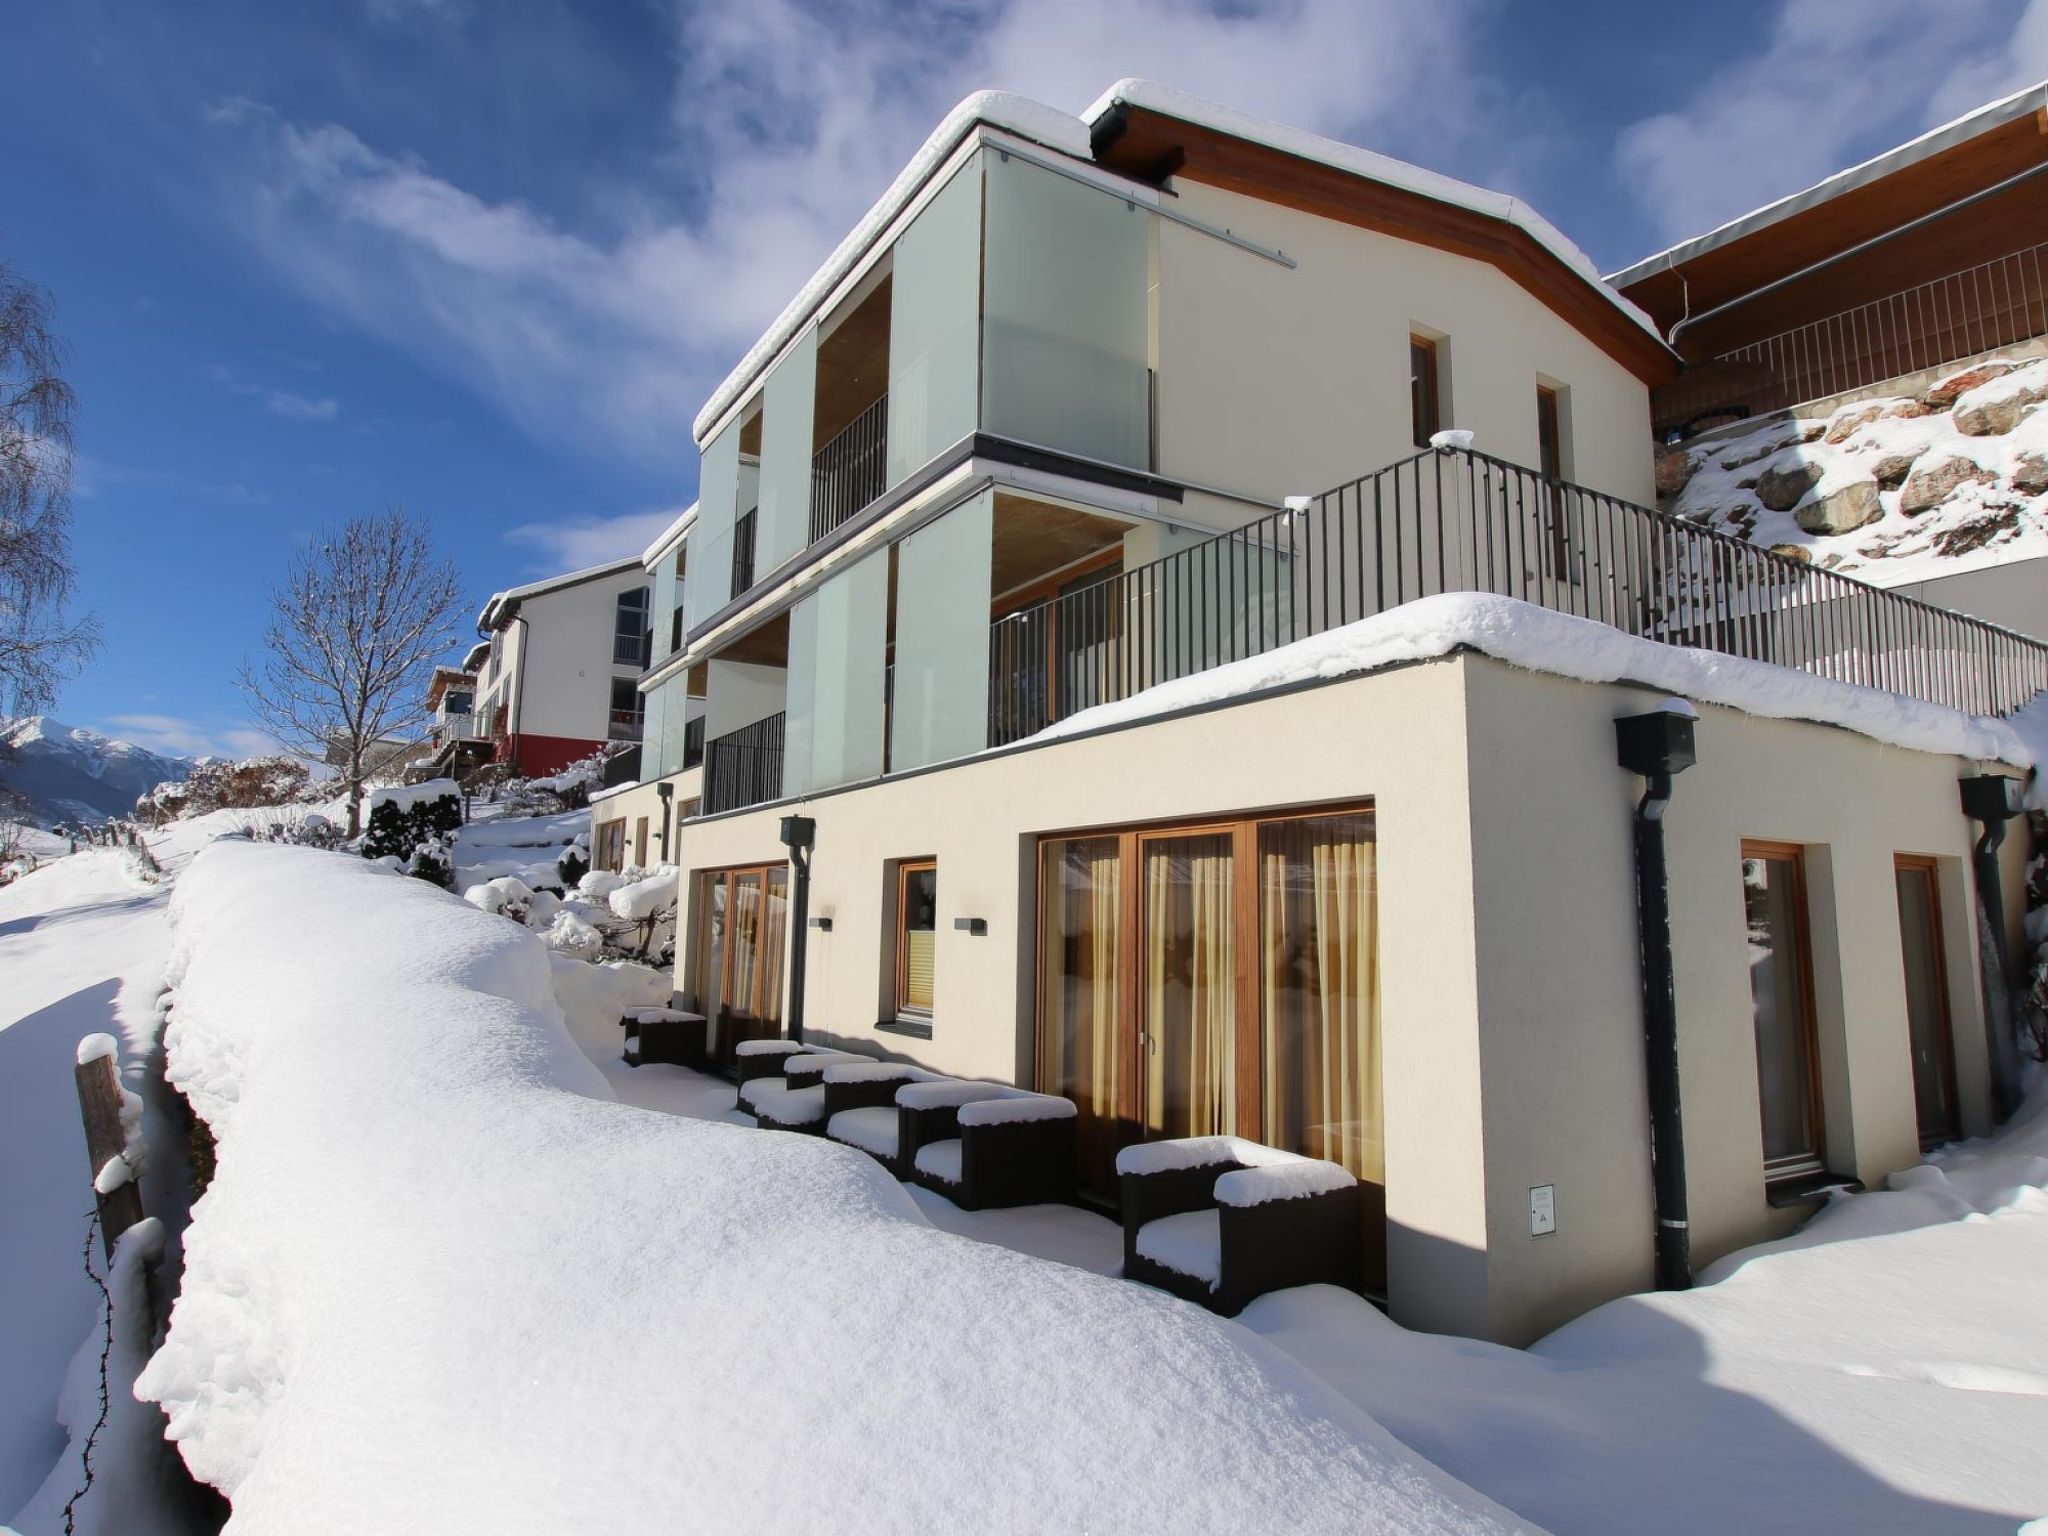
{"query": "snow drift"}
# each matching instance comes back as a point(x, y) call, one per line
point(442, 1282)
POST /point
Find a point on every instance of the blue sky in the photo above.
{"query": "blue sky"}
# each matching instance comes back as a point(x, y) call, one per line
point(484, 258)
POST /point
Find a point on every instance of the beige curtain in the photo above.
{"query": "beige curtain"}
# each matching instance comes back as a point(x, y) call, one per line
point(1321, 991)
point(1080, 1045)
point(1190, 991)
point(774, 941)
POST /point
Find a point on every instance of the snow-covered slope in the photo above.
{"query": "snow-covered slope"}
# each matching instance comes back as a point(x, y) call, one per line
point(1889, 490)
point(68, 773)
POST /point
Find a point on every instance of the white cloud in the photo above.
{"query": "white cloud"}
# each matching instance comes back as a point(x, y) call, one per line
point(279, 402)
point(789, 117)
point(575, 544)
point(177, 736)
point(1829, 85)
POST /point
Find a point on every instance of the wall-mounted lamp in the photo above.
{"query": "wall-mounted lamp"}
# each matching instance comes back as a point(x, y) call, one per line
point(978, 926)
point(822, 924)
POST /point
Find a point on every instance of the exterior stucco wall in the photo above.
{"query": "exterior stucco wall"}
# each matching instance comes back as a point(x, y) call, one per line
point(1558, 979)
point(1276, 381)
point(628, 805)
point(1512, 1037)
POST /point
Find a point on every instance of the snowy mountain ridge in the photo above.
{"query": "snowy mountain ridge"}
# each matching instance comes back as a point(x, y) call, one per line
point(72, 773)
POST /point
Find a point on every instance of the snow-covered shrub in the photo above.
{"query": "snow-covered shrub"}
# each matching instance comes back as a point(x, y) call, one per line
point(399, 825)
point(433, 862)
point(572, 864)
point(568, 790)
point(238, 785)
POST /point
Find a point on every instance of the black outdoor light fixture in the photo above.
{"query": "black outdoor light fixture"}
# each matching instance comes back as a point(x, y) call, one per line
point(1991, 800)
point(1657, 746)
point(822, 924)
point(798, 833)
point(978, 926)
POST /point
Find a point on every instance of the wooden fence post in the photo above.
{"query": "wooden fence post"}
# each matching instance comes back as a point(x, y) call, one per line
point(106, 1138)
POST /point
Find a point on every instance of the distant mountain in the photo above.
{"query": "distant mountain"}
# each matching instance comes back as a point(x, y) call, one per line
point(69, 774)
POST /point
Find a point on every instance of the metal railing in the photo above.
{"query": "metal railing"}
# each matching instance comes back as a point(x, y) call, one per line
point(632, 650)
point(743, 554)
point(693, 742)
point(1457, 521)
point(851, 470)
point(624, 725)
point(744, 767)
point(460, 727)
point(1995, 304)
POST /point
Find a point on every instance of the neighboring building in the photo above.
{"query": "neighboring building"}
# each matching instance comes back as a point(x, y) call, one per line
point(1832, 340)
point(634, 824)
point(1134, 775)
point(459, 736)
point(1931, 252)
point(560, 673)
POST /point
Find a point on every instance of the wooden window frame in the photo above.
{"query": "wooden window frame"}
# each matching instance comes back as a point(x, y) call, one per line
point(611, 844)
point(1131, 838)
point(1802, 935)
point(905, 868)
point(1430, 420)
point(1930, 866)
point(731, 874)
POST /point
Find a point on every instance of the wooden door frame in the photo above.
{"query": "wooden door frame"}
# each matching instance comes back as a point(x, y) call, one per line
point(728, 876)
point(1802, 925)
point(1243, 830)
point(904, 869)
point(1929, 867)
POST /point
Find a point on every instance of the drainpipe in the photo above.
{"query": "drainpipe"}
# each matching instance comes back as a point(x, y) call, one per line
point(798, 833)
point(1991, 800)
point(1658, 746)
point(667, 794)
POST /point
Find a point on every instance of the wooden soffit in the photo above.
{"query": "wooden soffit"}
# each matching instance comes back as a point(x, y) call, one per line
point(1151, 146)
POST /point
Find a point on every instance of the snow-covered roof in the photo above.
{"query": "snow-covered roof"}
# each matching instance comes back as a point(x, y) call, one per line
point(1073, 136)
point(1399, 174)
point(669, 537)
point(503, 605)
point(1994, 114)
point(474, 658)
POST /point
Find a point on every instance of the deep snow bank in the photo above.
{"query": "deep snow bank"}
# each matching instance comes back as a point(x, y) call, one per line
point(435, 1286)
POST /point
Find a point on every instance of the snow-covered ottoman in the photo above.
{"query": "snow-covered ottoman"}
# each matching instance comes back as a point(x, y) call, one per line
point(665, 1034)
point(860, 1106)
point(763, 1058)
point(1220, 1221)
point(983, 1145)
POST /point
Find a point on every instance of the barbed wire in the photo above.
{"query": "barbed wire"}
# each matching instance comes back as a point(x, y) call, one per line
point(106, 1350)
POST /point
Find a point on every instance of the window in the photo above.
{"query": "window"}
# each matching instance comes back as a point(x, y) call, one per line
point(1781, 999)
point(625, 717)
point(610, 852)
point(1425, 402)
point(917, 914)
point(1216, 979)
point(1927, 1020)
point(742, 922)
point(453, 703)
point(1556, 500)
point(640, 843)
point(630, 633)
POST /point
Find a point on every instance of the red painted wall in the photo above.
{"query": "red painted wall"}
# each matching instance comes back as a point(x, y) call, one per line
point(534, 757)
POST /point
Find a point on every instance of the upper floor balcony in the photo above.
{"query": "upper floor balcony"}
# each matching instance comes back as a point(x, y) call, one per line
point(1014, 304)
point(930, 656)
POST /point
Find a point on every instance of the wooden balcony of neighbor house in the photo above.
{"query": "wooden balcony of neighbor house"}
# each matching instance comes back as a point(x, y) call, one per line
point(1454, 520)
point(1979, 309)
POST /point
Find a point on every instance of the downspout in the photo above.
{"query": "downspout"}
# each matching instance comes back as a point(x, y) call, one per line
point(518, 690)
point(1658, 746)
point(798, 832)
point(667, 794)
point(1990, 800)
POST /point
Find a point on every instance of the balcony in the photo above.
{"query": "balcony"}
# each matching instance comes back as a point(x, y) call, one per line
point(1458, 521)
point(624, 725)
point(850, 471)
point(464, 727)
point(743, 554)
point(744, 767)
point(1996, 304)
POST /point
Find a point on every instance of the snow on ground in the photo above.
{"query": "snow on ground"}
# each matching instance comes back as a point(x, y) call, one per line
point(82, 950)
point(1884, 1370)
point(1543, 640)
point(523, 847)
point(442, 1282)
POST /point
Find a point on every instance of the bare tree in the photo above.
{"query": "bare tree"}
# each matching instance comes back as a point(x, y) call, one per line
point(353, 636)
point(38, 645)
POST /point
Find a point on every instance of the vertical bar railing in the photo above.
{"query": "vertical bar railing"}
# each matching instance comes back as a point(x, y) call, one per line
point(743, 554)
point(1453, 520)
point(850, 471)
point(744, 767)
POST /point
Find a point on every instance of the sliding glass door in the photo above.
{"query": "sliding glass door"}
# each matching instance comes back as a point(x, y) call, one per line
point(742, 931)
point(1933, 1046)
point(1219, 979)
